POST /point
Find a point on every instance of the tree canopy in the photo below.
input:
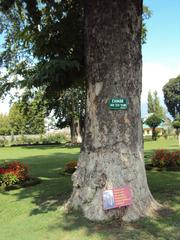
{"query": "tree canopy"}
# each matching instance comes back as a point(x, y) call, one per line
point(153, 121)
point(44, 48)
point(4, 125)
point(154, 105)
point(27, 116)
point(44, 43)
point(171, 92)
point(69, 110)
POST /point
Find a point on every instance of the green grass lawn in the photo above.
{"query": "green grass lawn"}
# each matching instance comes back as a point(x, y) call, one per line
point(171, 143)
point(36, 213)
point(149, 146)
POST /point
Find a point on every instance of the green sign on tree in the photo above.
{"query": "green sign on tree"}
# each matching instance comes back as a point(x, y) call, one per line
point(118, 104)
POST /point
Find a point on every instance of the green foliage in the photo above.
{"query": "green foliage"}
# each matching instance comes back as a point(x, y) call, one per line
point(8, 179)
point(27, 116)
point(53, 138)
point(176, 123)
point(150, 103)
point(12, 173)
point(20, 140)
point(46, 47)
point(16, 120)
point(164, 158)
point(44, 43)
point(49, 32)
point(3, 142)
point(71, 105)
point(147, 13)
point(171, 92)
point(153, 121)
point(154, 105)
point(4, 125)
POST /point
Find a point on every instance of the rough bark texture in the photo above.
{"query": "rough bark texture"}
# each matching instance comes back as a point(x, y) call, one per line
point(75, 131)
point(112, 151)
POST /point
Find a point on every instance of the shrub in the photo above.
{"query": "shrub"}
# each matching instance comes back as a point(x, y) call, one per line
point(8, 179)
point(164, 158)
point(71, 167)
point(13, 172)
point(53, 138)
point(3, 142)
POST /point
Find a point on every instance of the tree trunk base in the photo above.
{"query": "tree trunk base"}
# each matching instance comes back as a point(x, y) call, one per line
point(94, 176)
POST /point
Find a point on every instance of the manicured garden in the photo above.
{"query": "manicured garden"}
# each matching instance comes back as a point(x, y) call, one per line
point(36, 212)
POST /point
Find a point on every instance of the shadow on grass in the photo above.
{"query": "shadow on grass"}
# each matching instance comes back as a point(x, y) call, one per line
point(50, 146)
point(161, 227)
point(165, 226)
point(148, 156)
point(55, 189)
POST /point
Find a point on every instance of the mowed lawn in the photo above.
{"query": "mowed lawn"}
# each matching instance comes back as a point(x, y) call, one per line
point(36, 213)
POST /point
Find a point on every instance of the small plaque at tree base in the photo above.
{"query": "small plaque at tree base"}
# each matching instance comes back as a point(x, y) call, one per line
point(117, 197)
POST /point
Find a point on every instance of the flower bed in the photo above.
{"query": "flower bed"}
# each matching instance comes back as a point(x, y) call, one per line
point(164, 158)
point(14, 175)
point(69, 169)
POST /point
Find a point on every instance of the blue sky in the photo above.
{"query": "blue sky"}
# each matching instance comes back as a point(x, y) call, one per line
point(161, 53)
point(163, 43)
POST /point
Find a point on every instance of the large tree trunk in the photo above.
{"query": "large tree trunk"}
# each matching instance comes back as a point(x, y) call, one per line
point(112, 151)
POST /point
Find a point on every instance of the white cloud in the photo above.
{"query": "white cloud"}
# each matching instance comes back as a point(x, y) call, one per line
point(5, 103)
point(4, 106)
point(155, 76)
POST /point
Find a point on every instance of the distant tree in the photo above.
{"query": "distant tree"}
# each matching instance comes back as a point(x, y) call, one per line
point(150, 103)
point(176, 125)
point(171, 92)
point(153, 121)
point(27, 117)
point(154, 105)
point(16, 120)
point(158, 109)
point(70, 111)
point(4, 125)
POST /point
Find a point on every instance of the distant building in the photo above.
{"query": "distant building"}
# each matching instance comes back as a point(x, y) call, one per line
point(147, 131)
point(164, 126)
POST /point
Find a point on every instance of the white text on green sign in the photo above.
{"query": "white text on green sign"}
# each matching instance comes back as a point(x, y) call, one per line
point(118, 104)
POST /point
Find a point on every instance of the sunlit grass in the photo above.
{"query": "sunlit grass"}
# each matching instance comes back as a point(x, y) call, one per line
point(36, 213)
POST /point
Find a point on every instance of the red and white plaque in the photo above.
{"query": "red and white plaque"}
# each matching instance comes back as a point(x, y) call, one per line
point(117, 197)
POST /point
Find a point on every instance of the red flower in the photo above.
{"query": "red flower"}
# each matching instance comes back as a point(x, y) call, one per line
point(16, 168)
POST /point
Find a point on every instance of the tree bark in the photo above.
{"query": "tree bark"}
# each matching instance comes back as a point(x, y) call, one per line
point(112, 151)
point(75, 131)
point(154, 134)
